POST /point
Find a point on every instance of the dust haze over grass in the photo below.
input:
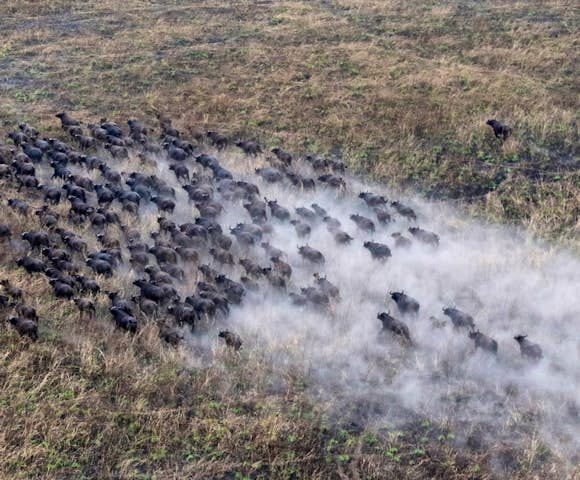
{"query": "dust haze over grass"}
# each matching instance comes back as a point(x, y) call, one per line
point(508, 282)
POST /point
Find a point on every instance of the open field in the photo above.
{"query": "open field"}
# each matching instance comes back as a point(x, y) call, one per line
point(402, 91)
point(314, 392)
point(401, 88)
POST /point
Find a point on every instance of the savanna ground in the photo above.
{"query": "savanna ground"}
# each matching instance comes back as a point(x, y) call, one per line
point(401, 89)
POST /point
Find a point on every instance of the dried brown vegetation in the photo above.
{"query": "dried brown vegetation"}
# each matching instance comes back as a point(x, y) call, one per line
point(412, 84)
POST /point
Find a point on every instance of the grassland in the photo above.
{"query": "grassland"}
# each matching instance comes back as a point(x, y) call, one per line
point(401, 88)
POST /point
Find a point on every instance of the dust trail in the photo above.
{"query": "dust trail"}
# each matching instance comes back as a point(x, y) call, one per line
point(508, 282)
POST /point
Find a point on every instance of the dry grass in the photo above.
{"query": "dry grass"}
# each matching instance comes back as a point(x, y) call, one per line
point(411, 85)
point(88, 401)
point(402, 88)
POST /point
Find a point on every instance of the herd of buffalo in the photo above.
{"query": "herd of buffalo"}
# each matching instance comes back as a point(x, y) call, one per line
point(103, 200)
